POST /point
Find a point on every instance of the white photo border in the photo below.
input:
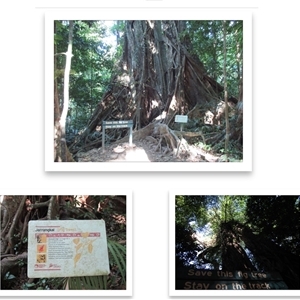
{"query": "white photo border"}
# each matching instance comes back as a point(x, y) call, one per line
point(218, 293)
point(129, 246)
point(155, 14)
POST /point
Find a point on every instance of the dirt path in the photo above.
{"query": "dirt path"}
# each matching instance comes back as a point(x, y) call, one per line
point(145, 151)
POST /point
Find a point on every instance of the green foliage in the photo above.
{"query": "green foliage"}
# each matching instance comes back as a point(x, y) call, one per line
point(45, 284)
point(276, 217)
point(185, 245)
point(206, 39)
point(205, 147)
point(28, 286)
point(234, 154)
point(87, 283)
point(204, 214)
point(92, 64)
point(9, 280)
point(22, 262)
point(273, 219)
point(190, 208)
point(9, 276)
point(117, 256)
point(21, 244)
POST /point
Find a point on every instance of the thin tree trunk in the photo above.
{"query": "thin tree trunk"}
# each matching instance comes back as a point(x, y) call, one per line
point(57, 130)
point(225, 92)
point(14, 225)
point(63, 117)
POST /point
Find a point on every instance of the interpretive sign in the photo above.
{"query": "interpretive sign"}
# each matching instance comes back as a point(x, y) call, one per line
point(196, 279)
point(67, 248)
point(116, 124)
point(181, 119)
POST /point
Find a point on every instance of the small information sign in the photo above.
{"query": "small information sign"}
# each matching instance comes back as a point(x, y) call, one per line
point(116, 124)
point(67, 248)
point(181, 119)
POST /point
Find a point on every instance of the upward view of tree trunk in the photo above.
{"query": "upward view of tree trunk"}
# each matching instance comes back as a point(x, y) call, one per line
point(157, 78)
point(240, 233)
point(234, 256)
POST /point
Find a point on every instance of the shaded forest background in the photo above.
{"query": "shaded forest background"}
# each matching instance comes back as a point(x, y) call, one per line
point(247, 233)
point(152, 71)
point(17, 211)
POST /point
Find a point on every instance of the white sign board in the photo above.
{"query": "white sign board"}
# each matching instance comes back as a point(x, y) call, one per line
point(181, 119)
point(116, 124)
point(67, 248)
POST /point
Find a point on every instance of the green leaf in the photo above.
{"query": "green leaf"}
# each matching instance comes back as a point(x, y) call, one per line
point(9, 276)
point(87, 283)
point(118, 256)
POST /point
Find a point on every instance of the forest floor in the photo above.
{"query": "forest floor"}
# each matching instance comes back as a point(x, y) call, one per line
point(146, 150)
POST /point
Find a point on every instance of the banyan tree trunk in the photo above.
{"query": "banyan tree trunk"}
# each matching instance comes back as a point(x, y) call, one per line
point(270, 257)
point(157, 77)
point(234, 256)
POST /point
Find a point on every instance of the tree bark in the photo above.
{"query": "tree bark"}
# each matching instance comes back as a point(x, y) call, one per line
point(234, 256)
point(7, 263)
point(270, 257)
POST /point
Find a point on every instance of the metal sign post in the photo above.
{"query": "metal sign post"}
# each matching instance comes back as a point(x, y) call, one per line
point(116, 124)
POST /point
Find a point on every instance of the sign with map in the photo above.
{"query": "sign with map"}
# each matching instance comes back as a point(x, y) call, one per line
point(67, 248)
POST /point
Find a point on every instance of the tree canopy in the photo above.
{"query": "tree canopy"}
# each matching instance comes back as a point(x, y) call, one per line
point(92, 65)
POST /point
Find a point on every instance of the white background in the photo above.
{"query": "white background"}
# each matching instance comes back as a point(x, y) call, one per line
point(276, 106)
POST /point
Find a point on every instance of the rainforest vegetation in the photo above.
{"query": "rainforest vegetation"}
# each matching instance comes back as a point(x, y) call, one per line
point(149, 72)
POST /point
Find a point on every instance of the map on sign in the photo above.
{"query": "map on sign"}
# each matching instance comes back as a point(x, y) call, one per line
point(67, 248)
